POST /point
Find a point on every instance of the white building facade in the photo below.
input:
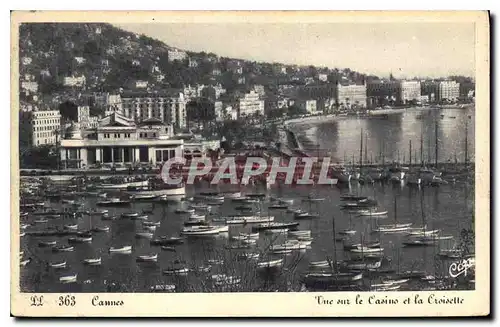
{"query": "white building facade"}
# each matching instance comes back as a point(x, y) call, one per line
point(119, 140)
point(40, 127)
point(250, 104)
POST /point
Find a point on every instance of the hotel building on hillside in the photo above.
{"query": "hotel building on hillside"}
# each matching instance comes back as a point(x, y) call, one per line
point(249, 104)
point(119, 139)
point(168, 107)
point(39, 127)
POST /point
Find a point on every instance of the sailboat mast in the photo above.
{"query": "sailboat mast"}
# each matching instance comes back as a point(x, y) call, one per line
point(334, 245)
point(421, 148)
point(366, 147)
point(466, 141)
point(436, 146)
point(361, 150)
point(410, 152)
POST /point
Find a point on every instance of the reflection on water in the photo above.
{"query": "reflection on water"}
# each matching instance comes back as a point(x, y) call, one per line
point(390, 137)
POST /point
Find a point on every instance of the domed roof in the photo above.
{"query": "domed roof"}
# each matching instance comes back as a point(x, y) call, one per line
point(73, 132)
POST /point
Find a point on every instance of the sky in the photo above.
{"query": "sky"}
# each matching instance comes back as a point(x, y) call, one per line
point(407, 50)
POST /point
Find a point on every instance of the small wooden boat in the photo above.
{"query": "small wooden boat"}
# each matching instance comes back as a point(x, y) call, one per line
point(423, 232)
point(124, 249)
point(147, 235)
point(63, 248)
point(72, 227)
point(270, 263)
point(24, 226)
point(148, 258)
point(163, 288)
point(47, 243)
point(395, 281)
point(80, 239)
point(244, 208)
point(199, 206)
point(348, 247)
point(223, 280)
point(101, 229)
point(277, 231)
point(57, 265)
point(41, 221)
point(332, 278)
point(372, 213)
point(168, 248)
point(92, 261)
point(297, 233)
point(129, 215)
point(68, 279)
point(363, 264)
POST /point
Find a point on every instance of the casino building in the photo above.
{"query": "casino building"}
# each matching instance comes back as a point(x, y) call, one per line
point(118, 139)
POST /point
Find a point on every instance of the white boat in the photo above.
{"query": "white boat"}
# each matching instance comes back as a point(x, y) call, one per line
point(333, 277)
point(123, 186)
point(305, 215)
point(80, 239)
point(140, 217)
point(72, 227)
point(41, 221)
point(394, 228)
point(232, 195)
point(240, 198)
point(423, 232)
point(277, 231)
point(63, 248)
point(147, 235)
point(362, 265)
point(24, 226)
point(176, 271)
point(200, 231)
point(297, 233)
point(395, 281)
point(372, 213)
point(101, 229)
point(23, 263)
point(148, 258)
point(270, 263)
point(364, 251)
point(236, 220)
point(47, 243)
point(92, 261)
point(195, 216)
point(68, 279)
point(285, 201)
point(163, 288)
point(144, 196)
point(124, 249)
point(250, 235)
point(57, 265)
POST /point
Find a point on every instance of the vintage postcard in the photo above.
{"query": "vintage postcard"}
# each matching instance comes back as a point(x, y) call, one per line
point(250, 164)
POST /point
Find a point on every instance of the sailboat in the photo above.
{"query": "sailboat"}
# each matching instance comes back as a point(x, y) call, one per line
point(332, 277)
point(348, 231)
point(393, 228)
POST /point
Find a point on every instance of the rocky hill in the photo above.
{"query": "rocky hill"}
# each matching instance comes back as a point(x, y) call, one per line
point(111, 58)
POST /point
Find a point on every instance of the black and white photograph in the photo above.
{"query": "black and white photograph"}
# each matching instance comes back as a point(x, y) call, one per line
point(251, 157)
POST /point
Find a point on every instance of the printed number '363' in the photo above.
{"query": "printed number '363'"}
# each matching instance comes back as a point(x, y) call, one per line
point(67, 301)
